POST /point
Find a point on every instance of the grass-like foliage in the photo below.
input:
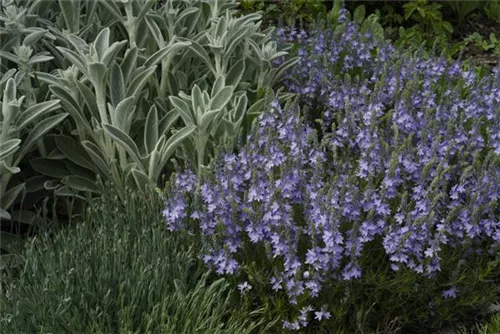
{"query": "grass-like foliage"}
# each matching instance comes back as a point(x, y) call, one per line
point(119, 272)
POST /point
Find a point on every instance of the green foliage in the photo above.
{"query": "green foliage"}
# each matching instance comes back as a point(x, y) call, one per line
point(488, 45)
point(429, 17)
point(387, 301)
point(111, 67)
point(462, 9)
point(492, 10)
point(287, 11)
point(21, 130)
point(117, 273)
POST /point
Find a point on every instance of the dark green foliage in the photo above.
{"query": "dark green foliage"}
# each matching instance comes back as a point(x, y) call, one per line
point(118, 272)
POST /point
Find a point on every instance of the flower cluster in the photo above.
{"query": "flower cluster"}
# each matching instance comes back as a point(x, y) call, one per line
point(408, 154)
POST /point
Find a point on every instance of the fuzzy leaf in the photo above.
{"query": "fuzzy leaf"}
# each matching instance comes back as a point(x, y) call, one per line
point(35, 111)
point(80, 183)
point(151, 129)
point(37, 132)
point(10, 196)
point(183, 109)
point(96, 155)
point(116, 85)
point(49, 167)
point(74, 151)
point(9, 147)
point(220, 100)
point(126, 142)
point(4, 215)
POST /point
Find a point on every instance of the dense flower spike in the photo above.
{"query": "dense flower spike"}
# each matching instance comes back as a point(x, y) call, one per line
point(399, 157)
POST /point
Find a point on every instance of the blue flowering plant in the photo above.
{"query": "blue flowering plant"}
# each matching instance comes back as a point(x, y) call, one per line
point(298, 219)
point(384, 215)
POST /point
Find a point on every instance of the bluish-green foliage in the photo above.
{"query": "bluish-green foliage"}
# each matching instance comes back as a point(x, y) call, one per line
point(119, 271)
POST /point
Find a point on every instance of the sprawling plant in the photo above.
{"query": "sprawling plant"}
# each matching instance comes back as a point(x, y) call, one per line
point(400, 180)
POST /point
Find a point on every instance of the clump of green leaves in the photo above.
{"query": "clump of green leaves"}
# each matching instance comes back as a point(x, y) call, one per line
point(428, 15)
point(21, 130)
point(287, 11)
point(117, 273)
point(492, 10)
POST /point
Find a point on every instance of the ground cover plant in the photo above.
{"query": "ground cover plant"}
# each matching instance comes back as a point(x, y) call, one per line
point(384, 194)
point(119, 272)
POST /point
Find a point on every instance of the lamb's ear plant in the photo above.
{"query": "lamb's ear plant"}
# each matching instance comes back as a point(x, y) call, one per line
point(115, 96)
point(20, 130)
point(106, 135)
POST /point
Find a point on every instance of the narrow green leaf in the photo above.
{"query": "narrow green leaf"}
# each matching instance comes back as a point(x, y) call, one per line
point(49, 167)
point(98, 159)
point(79, 170)
point(197, 103)
point(33, 37)
point(206, 120)
point(35, 183)
point(9, 147)
point(50, 79)
point(158, 56)
point(120, 117)
point(154, 160)
point(140, 178)
point(167, 122)
point(37, 132)
point(80, 183)
point(202, 54)
point(4, 215)
point(33, 112)
point(236, 73)
point(89, 97)
point(220, 100)
point(74, 58)
point(359, 14)
point(101, 42)
point(72, 108)
point(183, 109)
point(74, 151)
point(128, 63)
point(70, 10)
point(97, 71)
point(174, 141)
point(126, 142)
point(111, 53)
point(10, 196)
point(151, 129)
point(219, 83)
point(113, 9)
point(139, 81)
point(116, 85)
point(284, 67)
